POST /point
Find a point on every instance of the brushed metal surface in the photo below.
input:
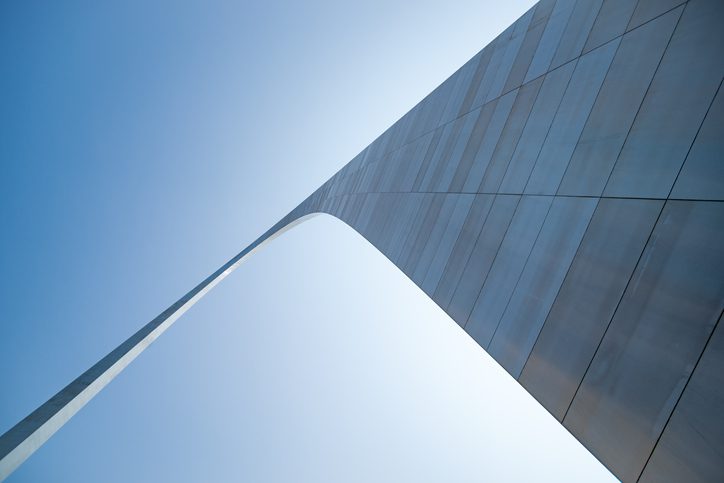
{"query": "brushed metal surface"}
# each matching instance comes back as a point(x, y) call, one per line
point(561, 197)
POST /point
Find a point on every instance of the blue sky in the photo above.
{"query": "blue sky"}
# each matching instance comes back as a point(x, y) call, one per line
point(145, 143)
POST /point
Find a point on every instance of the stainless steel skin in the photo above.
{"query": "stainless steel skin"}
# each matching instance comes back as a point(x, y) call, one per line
point(561, 197)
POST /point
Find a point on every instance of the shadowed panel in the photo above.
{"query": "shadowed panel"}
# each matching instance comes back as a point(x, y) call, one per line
point(587, 300)
point(658, 333)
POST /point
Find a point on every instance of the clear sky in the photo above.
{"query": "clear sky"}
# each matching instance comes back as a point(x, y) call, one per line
point(142, 144)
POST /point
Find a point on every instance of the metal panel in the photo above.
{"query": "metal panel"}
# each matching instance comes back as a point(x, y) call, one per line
point(610, 22)
point(463, 248)
point(490, 140)
point(500, 43)
point(587, 300)
point(481, 258)
point(416, 243)
point(449, 163)
point(375, 231)
point(434, 238)
point(570, 119)
point(390, 233)
point(408, 212)
point(425, 164)
point(656, 336)
point(410, 239)
point(368, 207)
point(702, 176)
point(447, 242)
point(538, 285)
point(649, 9)
point(543, 10)
point(419, 148)
point(462, 85)
point(530, 43)
point(509, 261)
point(449, 135)
point(484, 114)
point(536, 128)
point(675, 105)
point(509, 137)
point(440, 98)
point(618, 102)
point(576, 32)
point(389, 174)
point(395, 174)
point(520, 27)
point(485, 55)
point(551, 38)
point(692, 445)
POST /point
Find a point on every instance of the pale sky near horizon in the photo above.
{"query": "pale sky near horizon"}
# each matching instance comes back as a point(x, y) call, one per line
point(143, 143)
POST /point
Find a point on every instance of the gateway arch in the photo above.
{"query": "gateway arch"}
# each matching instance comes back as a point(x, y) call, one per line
point(561, 197)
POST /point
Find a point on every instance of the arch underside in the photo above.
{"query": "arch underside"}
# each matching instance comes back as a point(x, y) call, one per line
point(560, 197)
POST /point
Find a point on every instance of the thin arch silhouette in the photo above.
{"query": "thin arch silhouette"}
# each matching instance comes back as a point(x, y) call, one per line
point(28, 435)
point(23, 439)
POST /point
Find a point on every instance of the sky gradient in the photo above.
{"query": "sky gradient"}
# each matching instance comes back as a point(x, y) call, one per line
point(145, 143)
